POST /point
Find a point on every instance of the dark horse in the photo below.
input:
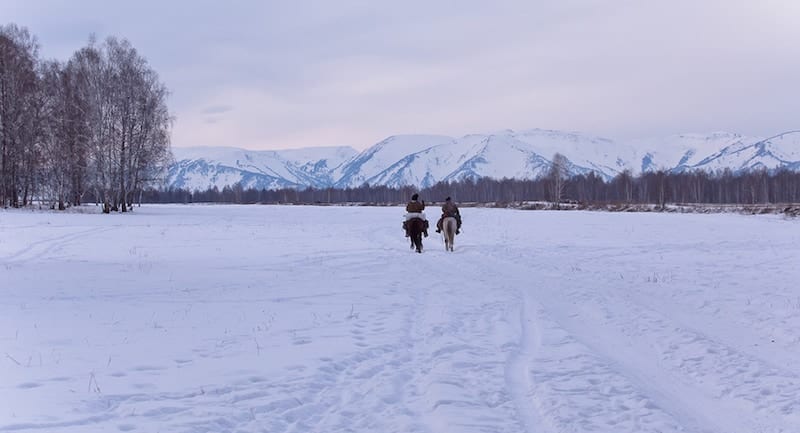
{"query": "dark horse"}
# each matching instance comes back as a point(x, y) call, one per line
point(415, 228)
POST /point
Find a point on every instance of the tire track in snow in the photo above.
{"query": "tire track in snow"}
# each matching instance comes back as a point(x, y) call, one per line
point(705, 371)
point(461, 342)
point(480, 345)
point(39, 249)
point(569, 382)
point(664, 373)
point(519, 365)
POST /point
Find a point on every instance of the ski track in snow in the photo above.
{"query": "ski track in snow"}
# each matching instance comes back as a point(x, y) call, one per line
point(309, 319)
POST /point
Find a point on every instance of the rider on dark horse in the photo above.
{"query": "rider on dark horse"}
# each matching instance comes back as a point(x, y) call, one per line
point(449, 209)
point(414, 209)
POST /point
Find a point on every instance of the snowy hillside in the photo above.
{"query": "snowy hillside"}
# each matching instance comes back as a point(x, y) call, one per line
point(684, 151)
point(206, 167)
point(423, 160)
point(782, 150)
point(371, 166)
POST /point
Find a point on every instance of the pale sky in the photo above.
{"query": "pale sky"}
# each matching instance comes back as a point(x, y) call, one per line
point(298, 73)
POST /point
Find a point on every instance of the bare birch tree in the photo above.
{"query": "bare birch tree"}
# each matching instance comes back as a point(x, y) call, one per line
point(18, 86)
point(557, 177)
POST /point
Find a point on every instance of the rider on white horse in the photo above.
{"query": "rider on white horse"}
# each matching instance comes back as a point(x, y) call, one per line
point(449, 209)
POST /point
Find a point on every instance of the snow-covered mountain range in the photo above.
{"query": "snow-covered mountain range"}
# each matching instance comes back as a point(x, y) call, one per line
point(423, 160)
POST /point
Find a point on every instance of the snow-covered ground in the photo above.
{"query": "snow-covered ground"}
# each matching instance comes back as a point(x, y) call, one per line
point(321, 319)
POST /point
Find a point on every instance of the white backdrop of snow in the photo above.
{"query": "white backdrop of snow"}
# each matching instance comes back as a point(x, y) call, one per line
point(321, 319)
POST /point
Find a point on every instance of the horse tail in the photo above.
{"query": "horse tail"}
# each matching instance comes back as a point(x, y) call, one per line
point(450, 225)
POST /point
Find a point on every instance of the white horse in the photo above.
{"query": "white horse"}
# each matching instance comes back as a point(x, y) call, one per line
point(449, 227)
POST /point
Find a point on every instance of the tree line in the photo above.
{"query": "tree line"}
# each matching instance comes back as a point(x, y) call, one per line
point(659, 187)
point(94, 126)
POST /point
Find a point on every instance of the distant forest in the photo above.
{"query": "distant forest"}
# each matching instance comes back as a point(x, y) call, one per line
point(660, 188)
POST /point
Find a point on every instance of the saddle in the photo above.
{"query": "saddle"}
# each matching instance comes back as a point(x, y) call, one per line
point(412, 215)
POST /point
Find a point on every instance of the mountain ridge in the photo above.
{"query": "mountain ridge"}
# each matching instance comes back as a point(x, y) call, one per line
point(423, 160)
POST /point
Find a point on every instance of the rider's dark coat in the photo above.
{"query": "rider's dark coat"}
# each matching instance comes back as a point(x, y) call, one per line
point(449, 209)
point(415, 206)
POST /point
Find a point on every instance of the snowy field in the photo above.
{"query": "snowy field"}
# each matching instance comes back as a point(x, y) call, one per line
point(321, 319)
